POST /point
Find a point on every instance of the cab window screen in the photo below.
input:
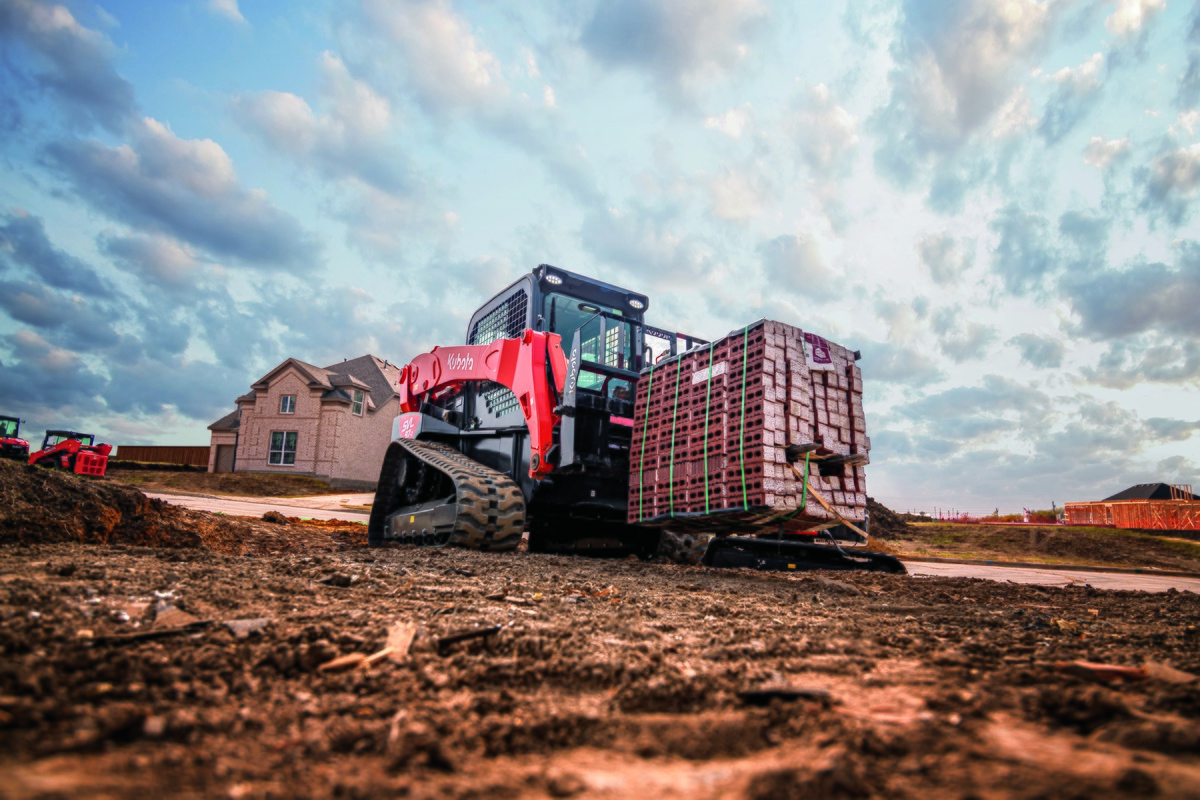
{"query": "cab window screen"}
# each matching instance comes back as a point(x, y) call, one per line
point(505, 321)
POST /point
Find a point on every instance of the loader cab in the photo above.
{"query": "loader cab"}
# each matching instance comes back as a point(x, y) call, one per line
point(10, 427)
point(57, 437)
point(607, 320)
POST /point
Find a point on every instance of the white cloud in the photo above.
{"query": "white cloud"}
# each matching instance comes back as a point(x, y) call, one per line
point(945, 257)
point(1015, 116)
point(733, 123)
point(1131, 16)
point(449, 69)
point(1187, 121)
point(187, 188)
point(957, 66)
point(738, 194)
point(77, 69)
point(679, 44)
point(1100, 153)
point(348, 140)
point(827, 132)
point(1085, 77)
point(1173, 180)
point(796, 263)
point(228, 9)
point(548, 97)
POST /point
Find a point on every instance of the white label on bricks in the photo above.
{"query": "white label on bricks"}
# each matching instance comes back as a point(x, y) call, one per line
point(700, 376)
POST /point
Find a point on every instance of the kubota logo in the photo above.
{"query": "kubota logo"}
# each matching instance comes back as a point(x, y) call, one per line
point(458, 362)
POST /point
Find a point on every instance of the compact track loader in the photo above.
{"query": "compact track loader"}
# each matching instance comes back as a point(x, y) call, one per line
point(511, 432)
point(12, 446)
point(74, 452)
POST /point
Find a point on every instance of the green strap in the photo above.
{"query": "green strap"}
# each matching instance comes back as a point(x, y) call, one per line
point(707, 405)
point(804, 496)
point(642, 462)
point(742, 443)
point(674, 419)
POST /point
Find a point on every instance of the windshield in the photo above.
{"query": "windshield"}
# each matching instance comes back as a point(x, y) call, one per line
point(607, 340)
point(8, 428)
point(54, 439)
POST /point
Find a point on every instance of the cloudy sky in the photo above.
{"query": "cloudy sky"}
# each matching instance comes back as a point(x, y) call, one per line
point(995, 201)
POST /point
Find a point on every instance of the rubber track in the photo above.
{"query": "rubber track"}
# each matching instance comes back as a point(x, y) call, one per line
point(490, 509)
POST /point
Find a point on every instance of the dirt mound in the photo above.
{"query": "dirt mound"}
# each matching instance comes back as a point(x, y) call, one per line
point(42, 506)
point(39, 505)
point(885, 523)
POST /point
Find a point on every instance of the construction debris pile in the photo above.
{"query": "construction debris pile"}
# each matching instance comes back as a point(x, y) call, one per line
point(752, 426)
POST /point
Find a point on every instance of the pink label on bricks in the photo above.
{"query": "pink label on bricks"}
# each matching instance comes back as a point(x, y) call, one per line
point(817, 353)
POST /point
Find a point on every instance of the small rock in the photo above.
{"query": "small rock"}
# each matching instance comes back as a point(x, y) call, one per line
point(836, 586)
point(275, 517)
point(351, 641)
point(244, 628)
point(84, 633)
point(154, 727)
point(340, 579)
point(564, 784)
point(168, 616)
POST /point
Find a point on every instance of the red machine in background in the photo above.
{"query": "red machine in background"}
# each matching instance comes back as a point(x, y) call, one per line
point(11, 444)
point(76, 452)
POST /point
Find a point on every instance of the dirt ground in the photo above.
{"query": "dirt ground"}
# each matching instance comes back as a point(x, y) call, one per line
point(119, 676)
point(234, 484)
point(1049, 544)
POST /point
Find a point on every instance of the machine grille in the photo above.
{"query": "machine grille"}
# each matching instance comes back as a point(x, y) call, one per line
point(505, 321)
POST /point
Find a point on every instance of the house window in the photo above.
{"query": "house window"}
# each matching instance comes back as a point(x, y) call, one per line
point(287, 404)
point(283, 448)
point(358, 403)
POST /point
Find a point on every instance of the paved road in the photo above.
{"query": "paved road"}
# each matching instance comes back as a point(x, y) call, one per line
point(325, 508)
point(1048, 576)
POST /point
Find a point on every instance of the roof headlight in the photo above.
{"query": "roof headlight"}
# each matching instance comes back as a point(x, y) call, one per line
point(636, 304)
point(553, 280)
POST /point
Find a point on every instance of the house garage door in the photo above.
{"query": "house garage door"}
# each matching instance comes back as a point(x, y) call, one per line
point(224, 458)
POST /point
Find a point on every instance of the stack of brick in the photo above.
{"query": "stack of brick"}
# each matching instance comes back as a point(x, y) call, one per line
point(712, 430)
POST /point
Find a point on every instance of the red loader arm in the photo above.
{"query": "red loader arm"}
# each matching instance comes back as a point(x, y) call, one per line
point(520, 364)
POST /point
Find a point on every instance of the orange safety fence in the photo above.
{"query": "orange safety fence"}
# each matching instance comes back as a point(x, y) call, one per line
point(1168, 515)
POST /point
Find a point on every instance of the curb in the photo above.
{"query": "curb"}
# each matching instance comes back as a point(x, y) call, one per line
point(1166, 573)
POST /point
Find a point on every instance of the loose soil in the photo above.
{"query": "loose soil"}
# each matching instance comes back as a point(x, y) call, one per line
point(1048, 544)
point(233, 484)
point(605, 679)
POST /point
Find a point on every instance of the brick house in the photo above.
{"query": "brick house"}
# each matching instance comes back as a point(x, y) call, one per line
point(330, 422)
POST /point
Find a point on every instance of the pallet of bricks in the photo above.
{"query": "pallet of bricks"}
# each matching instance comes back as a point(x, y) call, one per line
point(718, 429)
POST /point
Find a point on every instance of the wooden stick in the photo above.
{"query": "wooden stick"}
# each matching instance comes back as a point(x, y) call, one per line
point(828, 507)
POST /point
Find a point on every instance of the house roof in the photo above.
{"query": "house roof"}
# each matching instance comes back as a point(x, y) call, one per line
point(369, 374)
point(229, 422)
point(1147, 491)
